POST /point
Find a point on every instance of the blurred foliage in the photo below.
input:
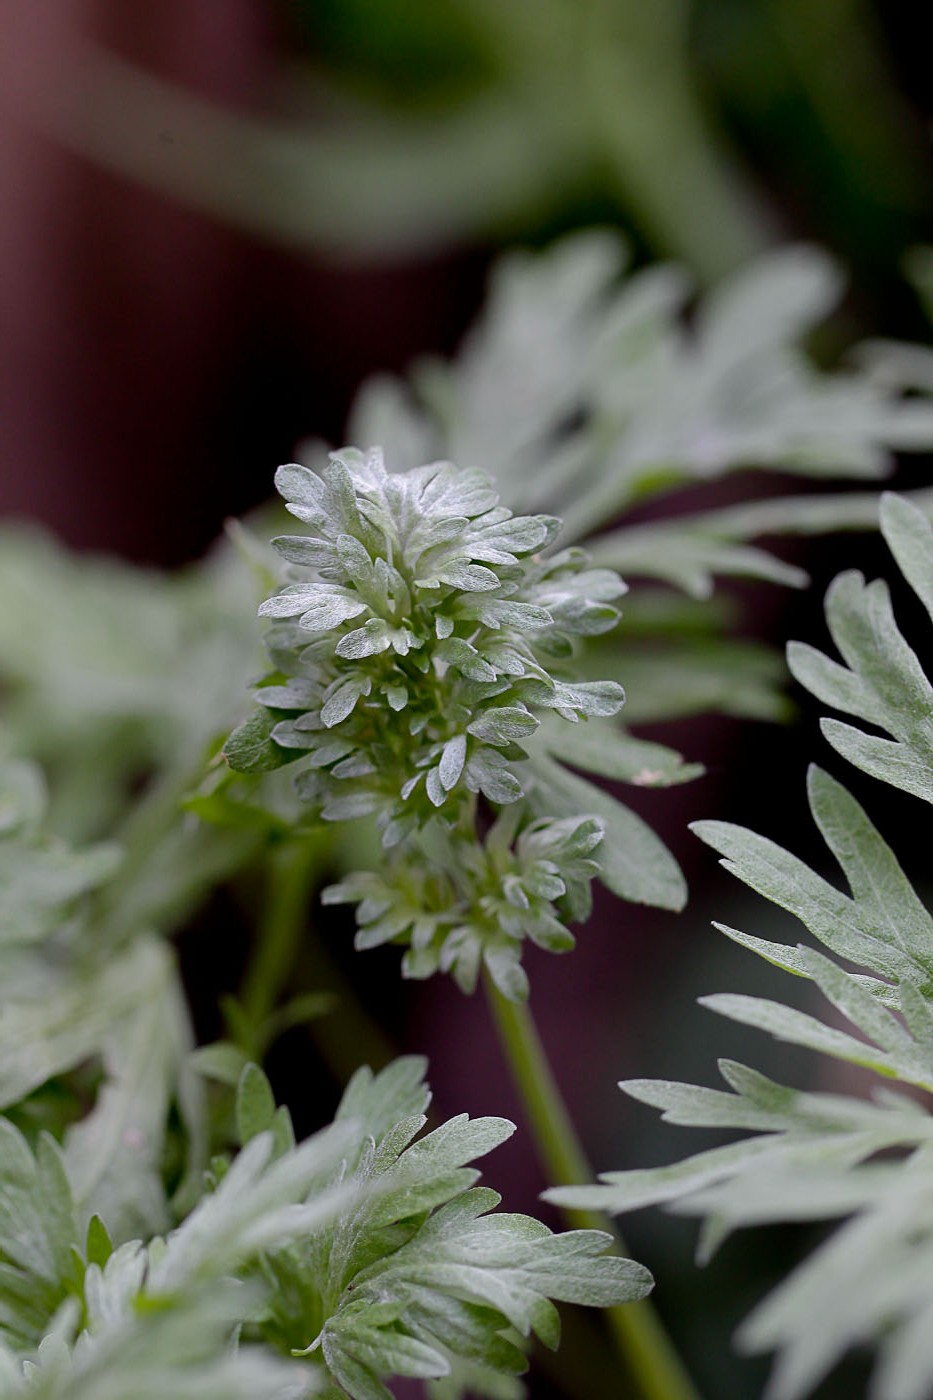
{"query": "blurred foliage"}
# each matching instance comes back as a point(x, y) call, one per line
point(398, 129)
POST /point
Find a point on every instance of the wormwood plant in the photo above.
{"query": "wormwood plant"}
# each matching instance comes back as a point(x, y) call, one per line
point(444, 668)
point(864, 1161)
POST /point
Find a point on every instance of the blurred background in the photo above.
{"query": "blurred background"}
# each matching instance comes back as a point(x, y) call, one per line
point(217, 217)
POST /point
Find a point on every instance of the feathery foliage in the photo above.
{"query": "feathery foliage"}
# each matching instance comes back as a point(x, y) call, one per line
point(814, 1156)
point(367, 1250)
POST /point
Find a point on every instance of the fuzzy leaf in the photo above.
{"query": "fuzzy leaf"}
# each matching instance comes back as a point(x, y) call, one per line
point(251, 748)
point(37, 1233)
point(610, 752)
point(633, 862)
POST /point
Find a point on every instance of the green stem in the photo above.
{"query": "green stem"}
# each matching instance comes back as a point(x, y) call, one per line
point(641, 1339)
point(292, 873)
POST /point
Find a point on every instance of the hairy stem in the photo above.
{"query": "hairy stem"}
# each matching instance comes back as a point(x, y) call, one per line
point(293, 872)
point(644, 1345)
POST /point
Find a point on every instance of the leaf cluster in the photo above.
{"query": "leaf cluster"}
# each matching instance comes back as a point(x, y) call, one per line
point(418, 1269)
point(113, 673)
point(813, 1156)
point(366, 1250)
point(621, 399)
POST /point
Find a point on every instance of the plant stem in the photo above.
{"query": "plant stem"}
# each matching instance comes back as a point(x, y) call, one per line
point(292, 872)
point(641, 1339)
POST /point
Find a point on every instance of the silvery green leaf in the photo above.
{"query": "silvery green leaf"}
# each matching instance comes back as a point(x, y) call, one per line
point(452, 761)
point(511, 1263)
point(346, 806)
point(596, 698)
point(180, 1349)
point(889, 907)
point(689, 559)
point(501, 723)
point(356, 765)
point(369, 640)
point(306, 550)
point(788, 515)
point(549, 933)
point(455, 651)
point(298, 693)
point(293, 600)
point(324, 611)
point(377, 1347)
point(435, 789)
point(292, 734)
point(255, 1104)
point(610, 752)
point(415, 1271)
point(114, 1155)
point(23, 798)
point(259, 1204)
point(502, 542)
point(503, 961)
point(487, 772)
point(832, 683)
point(890, 760)
point(328, 751)
point(72, 1015)
point(37, 1234)
point(831, 1156)
point(671, 677)
point(505, 612)
point(798, 1028)
point(882, 926)
point(869, 1015)
point(883, 681)
point(251, 748)
point(910, 538)
point(780, 295)
point(345, 505)
point(300, 486)
point(459, 573)
point(42, 884)
point(355, 560)
point(340, 699)
point(633, 862)
point(397, 696)
point(382, 1100)
point(794, 961)
point(449, 491)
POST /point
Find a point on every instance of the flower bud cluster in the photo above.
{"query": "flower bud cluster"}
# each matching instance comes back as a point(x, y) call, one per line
point(414, 641)
point(473, 905)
